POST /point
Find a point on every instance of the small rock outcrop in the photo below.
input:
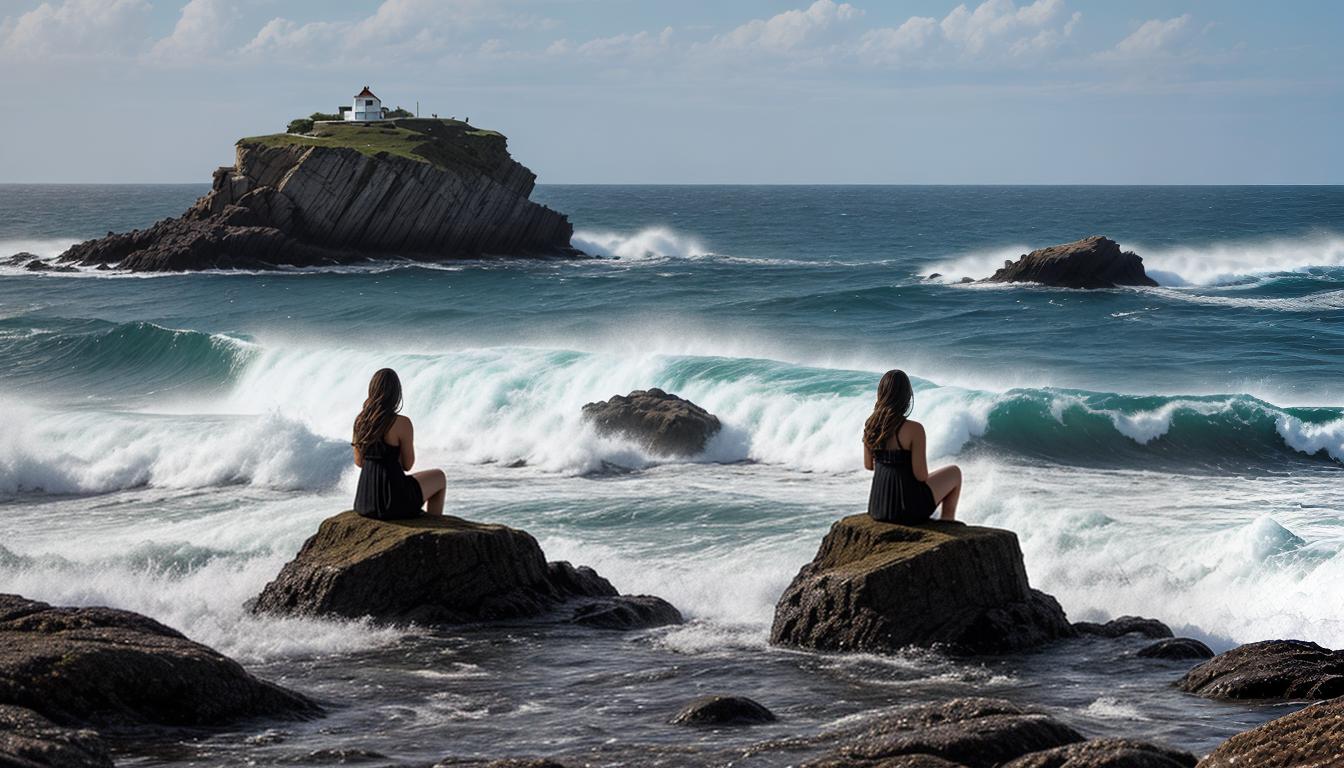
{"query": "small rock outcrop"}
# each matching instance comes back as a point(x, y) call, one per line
point(1125, 625)
point(101, 666)
point(1308, 738)
point(723, 710)
point(1177, 649)
point(417, 188)
point(1093, 262)
point(880, 587)
point(663, 423)
point(445, 570)
point(1273, 669)
point(1107, 753)
point(29, 740)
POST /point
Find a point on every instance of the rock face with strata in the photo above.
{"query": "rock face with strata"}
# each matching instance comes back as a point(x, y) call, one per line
point(1269, 670)
point(446, 570)
point(662, 422)
point(415, 188)
point(1093, 262)
point(1309, 738)
point(880, 587)
point(101, 666)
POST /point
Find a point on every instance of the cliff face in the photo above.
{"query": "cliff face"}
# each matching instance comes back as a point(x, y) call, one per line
point(422, 189)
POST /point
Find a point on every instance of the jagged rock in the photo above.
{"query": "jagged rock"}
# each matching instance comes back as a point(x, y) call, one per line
point(20, 258)
point(1309, 738)
point(664, 423)
point(1093, 262)
point(416, 188)
point(1106, 753)
point(29, 740)
point(973, 732)
point(1272, 669)
point(879, 587)
point(99, 666)
point(1124, 625)
point(37, 265)
point(445, 570)
point(1177, 649)
point(723, 710)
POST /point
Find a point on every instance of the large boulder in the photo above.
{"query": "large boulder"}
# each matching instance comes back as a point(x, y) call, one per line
point(1177, 649)
point(29, 740)
point(879, 587)
point(1309, 738)
point(1106, 753)
point(1272, 669)
point(1125, 625)
point(445, 570)
point(100, 666)
point(1093, 262)
point(723, 710)
point(663, 423)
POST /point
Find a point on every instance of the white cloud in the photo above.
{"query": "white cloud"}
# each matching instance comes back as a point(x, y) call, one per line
point(199, 30)
point(994, 30)
point(898, 45)
point(76, 28)
point(788, 30)
point(638, 44)
point(1154, 36)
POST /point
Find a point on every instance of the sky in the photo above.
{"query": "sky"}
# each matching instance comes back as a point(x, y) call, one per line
point(698, 91)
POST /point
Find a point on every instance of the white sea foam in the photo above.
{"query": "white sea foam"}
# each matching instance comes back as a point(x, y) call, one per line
point(649, 243)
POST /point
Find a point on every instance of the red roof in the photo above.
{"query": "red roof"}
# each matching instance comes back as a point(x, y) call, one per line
point(366, 92)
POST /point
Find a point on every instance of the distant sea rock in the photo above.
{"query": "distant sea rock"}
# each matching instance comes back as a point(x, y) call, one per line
point(416, 188)
point(1177, 649)
point(1093, 262)
point(100, 666)
point(880, 587)
point(1269, 670)
point(1307, 738)
point(1125, 625)
point(446, 570)
point(662, 422)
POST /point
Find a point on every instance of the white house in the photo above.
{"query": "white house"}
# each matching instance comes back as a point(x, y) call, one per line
point(367, 107)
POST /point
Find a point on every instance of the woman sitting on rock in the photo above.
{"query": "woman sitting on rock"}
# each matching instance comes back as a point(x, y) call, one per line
point(384, 446)
point(904, 491)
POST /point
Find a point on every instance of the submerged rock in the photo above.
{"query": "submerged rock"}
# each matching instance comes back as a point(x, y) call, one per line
point(1093, 262)
point(879, 587)
point(1272, 669)
point(414, 187)
point(1177, 649)
point(664, 423)
point(445, 570)
point(29, 740)
point(1125, 625)
point(723, 710)
point(1309, 738)
point(1106, 753)
point(102, 666)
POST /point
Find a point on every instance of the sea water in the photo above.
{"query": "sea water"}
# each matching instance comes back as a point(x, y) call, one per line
point(1176, 452)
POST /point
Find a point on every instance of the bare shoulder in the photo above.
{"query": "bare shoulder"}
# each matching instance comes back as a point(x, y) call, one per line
point(912, 429)
point(400, 430)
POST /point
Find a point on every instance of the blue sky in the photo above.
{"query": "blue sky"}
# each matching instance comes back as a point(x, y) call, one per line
point(615, 91)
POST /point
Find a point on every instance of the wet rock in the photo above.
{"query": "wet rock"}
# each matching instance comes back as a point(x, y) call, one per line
point(1177, 649)
point(1125, 625)
point(973, 732)
point(445, 570)
point(29, 740)
point(37, 265)
point(723, 710)
point(901, 761)
point(1106, 753)
point(934, 276)
point(1093, 262)
point(1309, 738)
point(1273, 669)
point(880, 587)
point(508, 762)
point(100, 666)
point(966, 280)
point(20, 258)
point(664, 423)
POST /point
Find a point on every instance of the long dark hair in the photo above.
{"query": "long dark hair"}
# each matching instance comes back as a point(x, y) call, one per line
point(895, 399)
point(380, 409)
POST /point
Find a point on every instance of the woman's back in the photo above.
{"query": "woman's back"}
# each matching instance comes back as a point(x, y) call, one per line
point(897, 496)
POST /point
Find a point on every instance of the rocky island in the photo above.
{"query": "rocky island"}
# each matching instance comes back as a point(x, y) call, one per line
point(1093, 262)
point(417, 188)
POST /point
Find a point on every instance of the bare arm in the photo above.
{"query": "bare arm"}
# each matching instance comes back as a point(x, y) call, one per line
point(406, 433)
point(867, 457)
point(919, 463)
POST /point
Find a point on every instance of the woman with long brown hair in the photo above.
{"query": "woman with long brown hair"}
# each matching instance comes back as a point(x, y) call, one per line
point(384, 444)
point(904, 490)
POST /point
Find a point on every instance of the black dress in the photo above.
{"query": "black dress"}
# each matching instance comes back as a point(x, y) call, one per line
point(896, 496)
point(385, 491)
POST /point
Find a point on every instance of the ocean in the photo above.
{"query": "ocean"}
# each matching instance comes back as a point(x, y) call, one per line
point(1174, 452)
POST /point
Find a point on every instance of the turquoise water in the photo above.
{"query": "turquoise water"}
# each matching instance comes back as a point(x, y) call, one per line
point(1175, 451)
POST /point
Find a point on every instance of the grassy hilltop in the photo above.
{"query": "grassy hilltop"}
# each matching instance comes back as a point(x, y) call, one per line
point(439, 142)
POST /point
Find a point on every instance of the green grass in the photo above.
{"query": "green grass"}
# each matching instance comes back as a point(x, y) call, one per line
point(441, 143)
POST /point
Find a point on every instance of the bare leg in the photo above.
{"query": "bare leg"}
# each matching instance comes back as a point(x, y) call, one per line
point(433, 484)
point(945, 482)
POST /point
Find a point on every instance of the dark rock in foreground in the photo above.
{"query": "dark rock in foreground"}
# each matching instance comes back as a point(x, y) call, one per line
point(879, 587)
point(1273, 669)
point(1309, 738)
point(101, 666)
point(445, 570)
point(1177, 649)
point(1106, 753)
point(664, 423)
point(1124, 625)
point(29, 740)
point(1093, 262)
point(723, 710)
